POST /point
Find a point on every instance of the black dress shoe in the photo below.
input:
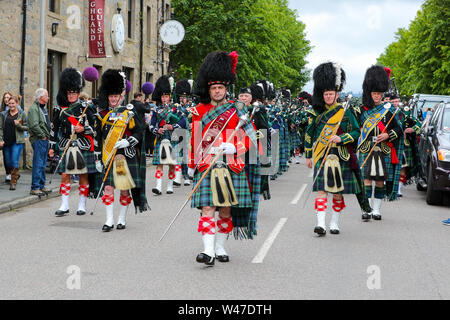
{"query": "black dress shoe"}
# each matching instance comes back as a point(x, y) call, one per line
point(320, 231)
point(156, 191)
point(61, 213)
point(120, 226)
point(81, 213)
point(334, 231)
point(107, 228)
point(376, 217)
point(366, 216)
point(204, 258)
point(223, 258)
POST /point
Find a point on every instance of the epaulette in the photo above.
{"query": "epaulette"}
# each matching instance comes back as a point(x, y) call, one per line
point(312, 111)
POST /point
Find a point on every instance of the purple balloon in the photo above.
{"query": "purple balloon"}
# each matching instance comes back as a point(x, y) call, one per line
point(90, 74)
point(128, 86)
point(148, 88)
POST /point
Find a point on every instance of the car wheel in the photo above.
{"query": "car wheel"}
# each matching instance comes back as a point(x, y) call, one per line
point(434, 197)
point(419, 186)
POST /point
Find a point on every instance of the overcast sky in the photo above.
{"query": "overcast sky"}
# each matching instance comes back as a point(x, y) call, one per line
point(352, 32)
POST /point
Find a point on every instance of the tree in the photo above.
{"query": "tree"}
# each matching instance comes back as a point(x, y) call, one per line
point(420, 56)
point(265, 33)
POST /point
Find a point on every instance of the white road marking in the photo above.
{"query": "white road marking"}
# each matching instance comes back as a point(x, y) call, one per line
point(299, 194)
point(269, 241)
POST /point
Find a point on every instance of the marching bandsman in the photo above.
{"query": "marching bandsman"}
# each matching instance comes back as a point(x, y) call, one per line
point(73, 134)
point(183, 93)
point(164, 122)
point(120, 134)
point(225, 188)
point(329, 141)
point(411, 127)
point(258, 93)
point(381, 142)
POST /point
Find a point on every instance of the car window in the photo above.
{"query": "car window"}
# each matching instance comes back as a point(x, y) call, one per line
point(446, 120)
point(435, 116)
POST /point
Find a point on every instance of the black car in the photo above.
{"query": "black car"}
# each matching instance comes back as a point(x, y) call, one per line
point(434, 154)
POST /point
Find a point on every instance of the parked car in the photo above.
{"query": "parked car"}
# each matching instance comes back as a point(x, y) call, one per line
point(434, 154)
point(420, 103)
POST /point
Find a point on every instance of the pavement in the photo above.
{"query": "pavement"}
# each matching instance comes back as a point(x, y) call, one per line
point(403, 256)
point(14, 199)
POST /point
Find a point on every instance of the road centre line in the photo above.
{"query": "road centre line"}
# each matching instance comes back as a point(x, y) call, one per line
point(299, 194)
point(269, 241)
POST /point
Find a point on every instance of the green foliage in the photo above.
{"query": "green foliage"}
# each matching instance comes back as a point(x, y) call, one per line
point(265, 33)
point(420, 56)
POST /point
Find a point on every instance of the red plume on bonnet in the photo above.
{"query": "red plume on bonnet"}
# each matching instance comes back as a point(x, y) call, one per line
point(388, 71)
point(234, 60)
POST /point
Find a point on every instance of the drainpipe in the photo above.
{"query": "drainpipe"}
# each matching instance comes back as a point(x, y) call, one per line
point(141, 45)
point(22, 72)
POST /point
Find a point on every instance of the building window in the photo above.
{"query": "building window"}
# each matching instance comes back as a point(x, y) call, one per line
point(149, 25)
point(54, 69)
point(53, 6)
point(129, 74)
point(130, 18)
point(149, 77)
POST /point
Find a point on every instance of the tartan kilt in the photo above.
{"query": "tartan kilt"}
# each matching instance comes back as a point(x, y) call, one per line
point(349, 179)
point(245, 219)
point(387, 159)
point(408, 157)
point(133, 166)
point(295, 139)
point(156, 156)
point(88, 156)
point(203, 196)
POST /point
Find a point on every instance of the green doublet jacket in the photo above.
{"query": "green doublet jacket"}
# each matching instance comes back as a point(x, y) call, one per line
point(348, 131)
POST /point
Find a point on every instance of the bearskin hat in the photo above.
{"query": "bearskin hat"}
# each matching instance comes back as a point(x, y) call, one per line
point(257, 92)
point(375, 80)
point(70, 80)
point(245, 90)
point(162, 87)
point(183, 88)
point(217, 68)
point(114, 82)
point(306, 96)
point(327, 76)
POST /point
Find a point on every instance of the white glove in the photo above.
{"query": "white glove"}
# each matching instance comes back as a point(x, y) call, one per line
point(98, 166)
point(272, 130)
point(121, 144)
point(228, 148)
point(191, 172)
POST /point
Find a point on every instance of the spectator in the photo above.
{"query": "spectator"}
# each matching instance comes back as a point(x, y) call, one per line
point(13, 123)
point(39, 129)
point(6, 96)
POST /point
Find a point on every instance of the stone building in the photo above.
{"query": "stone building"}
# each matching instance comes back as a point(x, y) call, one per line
point(67, 44)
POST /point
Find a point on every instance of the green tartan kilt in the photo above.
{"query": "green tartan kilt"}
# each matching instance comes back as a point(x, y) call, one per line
point(350, 182)
point(408, 160)
point(203, 196)
point(387, 160)
point(88, 156)
point(133, 166)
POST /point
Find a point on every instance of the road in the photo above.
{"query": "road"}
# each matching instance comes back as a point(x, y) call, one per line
point(404, 256)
